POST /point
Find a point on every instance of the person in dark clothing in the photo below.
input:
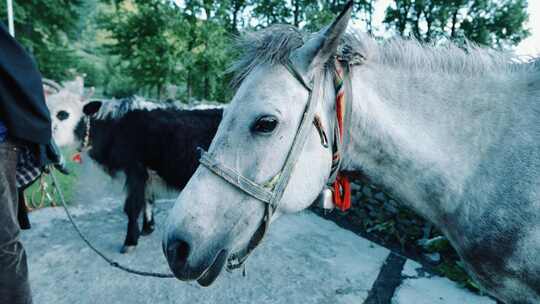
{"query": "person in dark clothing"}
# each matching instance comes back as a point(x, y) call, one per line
point(26, 147)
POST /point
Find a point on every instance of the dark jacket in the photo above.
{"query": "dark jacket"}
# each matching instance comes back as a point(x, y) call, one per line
point(22, 101)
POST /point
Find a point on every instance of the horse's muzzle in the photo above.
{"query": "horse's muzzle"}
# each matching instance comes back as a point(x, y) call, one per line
point(178, 256)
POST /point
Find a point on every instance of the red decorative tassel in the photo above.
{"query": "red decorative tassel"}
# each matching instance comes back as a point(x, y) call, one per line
point(76, 158)
point(342, 193)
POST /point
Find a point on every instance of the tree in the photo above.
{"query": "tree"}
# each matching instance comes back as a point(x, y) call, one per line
point(159, 43)
point(498, 23)
point(206, 53)
point(269, 12)
point(320, 13)
point(46, 28)
point(231, 13)
point(144, 41)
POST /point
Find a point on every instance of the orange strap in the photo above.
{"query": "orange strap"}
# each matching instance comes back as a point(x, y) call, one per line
point(342, 186)
point(342, 193)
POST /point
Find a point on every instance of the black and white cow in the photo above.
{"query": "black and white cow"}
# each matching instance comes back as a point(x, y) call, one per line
point(149, 144)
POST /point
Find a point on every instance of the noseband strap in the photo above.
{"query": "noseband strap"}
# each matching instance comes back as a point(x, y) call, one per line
point(235, 178)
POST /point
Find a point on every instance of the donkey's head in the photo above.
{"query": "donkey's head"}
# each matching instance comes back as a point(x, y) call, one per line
point(66, 107)
point(214, 220)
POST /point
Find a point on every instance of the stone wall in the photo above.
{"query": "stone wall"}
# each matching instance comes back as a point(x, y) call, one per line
point(379, 217)
point(384, 220)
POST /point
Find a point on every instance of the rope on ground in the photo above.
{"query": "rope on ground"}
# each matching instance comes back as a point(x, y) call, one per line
point(91, 246)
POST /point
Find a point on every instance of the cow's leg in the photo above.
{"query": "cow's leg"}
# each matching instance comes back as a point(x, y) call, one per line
point(148, 219)
point(135, 185)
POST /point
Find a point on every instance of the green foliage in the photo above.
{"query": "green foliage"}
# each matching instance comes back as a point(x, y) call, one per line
point(142, 36)
point(324, 12)
point(115, 82)
point(127, 47)
point(160, 44)
point(497, 23)
point(45, 28)
point(311, 14)
point(455, 271)
point(34, 195)
point(437, 244)
point(269, 12)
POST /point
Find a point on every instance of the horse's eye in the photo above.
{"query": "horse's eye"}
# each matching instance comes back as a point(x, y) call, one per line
point(62, 115)
point(265, 124)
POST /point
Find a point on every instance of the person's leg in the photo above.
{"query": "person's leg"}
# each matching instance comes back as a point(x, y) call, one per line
point(14, 285)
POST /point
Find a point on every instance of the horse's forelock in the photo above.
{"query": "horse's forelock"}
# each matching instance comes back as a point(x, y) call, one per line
point(272, 45)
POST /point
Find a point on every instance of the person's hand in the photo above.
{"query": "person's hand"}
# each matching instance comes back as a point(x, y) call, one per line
point(55, 156)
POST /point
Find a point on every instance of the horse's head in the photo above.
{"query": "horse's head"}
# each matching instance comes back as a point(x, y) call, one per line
point(221, 214)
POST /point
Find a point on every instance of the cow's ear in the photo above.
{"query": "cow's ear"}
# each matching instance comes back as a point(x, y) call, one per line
point(92, 107)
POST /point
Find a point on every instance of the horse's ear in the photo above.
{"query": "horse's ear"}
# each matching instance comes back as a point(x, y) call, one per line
point(323, 45)
point(92, 107)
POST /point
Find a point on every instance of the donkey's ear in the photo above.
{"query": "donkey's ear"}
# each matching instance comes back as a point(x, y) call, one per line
point(88, 94)
point(92, 107)
point(323, 45)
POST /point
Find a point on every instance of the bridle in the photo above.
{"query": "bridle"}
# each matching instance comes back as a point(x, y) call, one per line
point(85, 145)
point(271, 192)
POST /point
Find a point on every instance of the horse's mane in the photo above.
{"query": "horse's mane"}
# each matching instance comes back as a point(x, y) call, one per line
point(274, 44)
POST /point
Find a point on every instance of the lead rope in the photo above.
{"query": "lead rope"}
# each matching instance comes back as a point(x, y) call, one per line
point(111, 262)
point(117, 265)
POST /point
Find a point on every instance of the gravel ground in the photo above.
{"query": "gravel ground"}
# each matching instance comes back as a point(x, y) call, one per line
point(305, 259)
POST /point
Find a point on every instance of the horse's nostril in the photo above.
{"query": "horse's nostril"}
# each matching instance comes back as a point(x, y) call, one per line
point(178, 253)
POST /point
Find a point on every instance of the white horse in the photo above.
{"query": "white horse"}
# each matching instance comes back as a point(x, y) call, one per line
point(454, 133)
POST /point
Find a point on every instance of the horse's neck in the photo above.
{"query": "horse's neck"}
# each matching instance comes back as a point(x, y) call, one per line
point(422, 135)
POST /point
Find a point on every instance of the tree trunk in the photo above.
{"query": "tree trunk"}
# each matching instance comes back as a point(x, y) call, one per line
point(429, 21)
point(296, 13)
point(454, 23)
point(416, 26)
point(370, 17)
point(206, 82)
point(207, 5)
point(206, 69)
point(428, 30)
point(188, 85)
point(236, 10)
point(403, 20)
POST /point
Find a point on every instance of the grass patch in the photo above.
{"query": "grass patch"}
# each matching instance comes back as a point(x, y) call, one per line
point(41, 194)
point(454, 271)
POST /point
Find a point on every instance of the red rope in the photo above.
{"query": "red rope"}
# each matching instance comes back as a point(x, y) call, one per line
point(342, 193)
